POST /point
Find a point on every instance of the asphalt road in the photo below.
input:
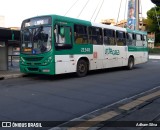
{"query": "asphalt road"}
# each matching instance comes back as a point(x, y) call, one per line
point(64, 97)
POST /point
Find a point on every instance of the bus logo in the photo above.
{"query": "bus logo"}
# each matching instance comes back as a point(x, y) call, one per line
point(112, 52)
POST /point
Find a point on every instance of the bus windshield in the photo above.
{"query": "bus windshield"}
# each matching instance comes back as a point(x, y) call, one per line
point(36, 40)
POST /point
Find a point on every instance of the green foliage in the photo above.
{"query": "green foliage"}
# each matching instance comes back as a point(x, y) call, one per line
point(158, 44)
point(154, 50)
point(153, 18)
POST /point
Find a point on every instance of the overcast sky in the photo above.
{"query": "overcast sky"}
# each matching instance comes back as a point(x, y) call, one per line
point(17, 10)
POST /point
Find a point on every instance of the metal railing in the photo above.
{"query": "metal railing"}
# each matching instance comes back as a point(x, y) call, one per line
point(12, 58)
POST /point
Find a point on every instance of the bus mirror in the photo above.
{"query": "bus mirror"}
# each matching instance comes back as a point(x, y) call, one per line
point(62, 31)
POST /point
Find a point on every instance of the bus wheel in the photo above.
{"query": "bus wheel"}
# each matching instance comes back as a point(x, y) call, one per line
point(82, 68)
point(130, 63)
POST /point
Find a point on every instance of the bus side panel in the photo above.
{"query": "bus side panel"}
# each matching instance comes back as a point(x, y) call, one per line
point(140, 54)
point(122, 57)
point(115, 56)
point(96, 61)
point(68, 63)
point(64, 64)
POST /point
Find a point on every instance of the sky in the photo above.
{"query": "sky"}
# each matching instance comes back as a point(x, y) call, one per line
point(15, 11)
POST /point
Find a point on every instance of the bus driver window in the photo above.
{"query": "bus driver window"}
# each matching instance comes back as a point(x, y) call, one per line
point(59, 34)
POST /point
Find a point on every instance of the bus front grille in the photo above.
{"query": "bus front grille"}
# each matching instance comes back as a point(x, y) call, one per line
point(33, 58)
point(33, 64)
point(33, 69)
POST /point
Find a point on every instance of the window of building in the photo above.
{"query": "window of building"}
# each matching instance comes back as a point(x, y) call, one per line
point(109, 37)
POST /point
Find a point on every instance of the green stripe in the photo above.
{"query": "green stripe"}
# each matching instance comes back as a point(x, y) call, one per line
point(136, 31)
point(77, 49)
point(133, 49)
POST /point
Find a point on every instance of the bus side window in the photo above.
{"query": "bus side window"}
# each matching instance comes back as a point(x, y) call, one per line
point(62, 36)
point(129, 38)
point(139, 40)
point(95, 35)
point(109, 37)
point(144, 38)
point(59, 37)
point(80, 34)
point(120, 37)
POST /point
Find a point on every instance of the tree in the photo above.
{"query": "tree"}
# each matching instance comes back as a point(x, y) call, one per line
point(153, 22)
point(157, 2)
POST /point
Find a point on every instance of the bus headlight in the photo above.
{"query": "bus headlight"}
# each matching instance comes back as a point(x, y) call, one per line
point(22, 61)
point(47, 61)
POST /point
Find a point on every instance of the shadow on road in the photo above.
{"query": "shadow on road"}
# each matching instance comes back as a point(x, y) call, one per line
point(73, 75)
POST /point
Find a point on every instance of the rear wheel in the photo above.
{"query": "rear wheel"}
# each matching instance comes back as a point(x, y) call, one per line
point(130, 63)
point(82, 68)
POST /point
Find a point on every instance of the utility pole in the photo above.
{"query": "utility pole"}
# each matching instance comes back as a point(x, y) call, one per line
point(137, 14)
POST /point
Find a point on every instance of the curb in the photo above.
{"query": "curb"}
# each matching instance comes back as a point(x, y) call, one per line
point(9, 76)
point(98, 118)
point(154, 57)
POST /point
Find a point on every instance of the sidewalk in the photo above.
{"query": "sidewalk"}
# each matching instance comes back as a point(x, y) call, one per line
point(12, 72)
point(154, 56)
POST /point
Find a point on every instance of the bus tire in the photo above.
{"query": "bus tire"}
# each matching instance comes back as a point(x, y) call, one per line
point(82, 68)
point(130, 63)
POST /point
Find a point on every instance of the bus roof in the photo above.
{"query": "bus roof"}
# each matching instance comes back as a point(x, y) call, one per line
point(88, 23)
point(137, 31)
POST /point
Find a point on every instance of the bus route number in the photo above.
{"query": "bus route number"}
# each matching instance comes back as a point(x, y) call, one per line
point(85, 50)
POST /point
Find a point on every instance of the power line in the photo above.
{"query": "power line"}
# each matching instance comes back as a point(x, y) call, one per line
point(71, 7)
point(83, 8)
point(95, 10)
point(99, 10)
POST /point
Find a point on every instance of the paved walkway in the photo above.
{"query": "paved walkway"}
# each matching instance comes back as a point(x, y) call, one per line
point(12, 72)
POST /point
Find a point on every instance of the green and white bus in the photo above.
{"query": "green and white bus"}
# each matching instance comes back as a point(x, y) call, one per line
point(56, 44)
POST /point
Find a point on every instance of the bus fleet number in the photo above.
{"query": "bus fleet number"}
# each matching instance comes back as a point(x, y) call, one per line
point(85, 50)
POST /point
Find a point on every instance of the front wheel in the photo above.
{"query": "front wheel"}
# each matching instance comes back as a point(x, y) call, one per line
point(130, 63)
point(82, 68)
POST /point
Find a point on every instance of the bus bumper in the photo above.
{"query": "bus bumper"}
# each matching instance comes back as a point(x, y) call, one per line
point(49, 69)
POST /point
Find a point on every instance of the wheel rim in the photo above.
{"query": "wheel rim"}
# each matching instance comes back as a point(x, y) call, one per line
point(81, 68)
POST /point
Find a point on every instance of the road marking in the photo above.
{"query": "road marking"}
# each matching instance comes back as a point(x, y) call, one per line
point(95, 121)
point(131, 105)
point(139, 101)
point(150, 96)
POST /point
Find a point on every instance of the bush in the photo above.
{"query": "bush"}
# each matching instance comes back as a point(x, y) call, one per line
point(157, 44)
point(154, 50)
